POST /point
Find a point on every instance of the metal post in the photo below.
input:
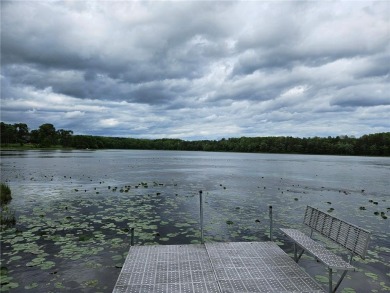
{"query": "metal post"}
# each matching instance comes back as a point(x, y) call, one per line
point(132, 237)
point(201, 217)
point(270, 223)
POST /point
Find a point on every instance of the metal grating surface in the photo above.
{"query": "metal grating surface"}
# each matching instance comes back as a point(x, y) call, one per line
point(167, 268)
point(257, 267)
point(214, 267)
point(318, 250)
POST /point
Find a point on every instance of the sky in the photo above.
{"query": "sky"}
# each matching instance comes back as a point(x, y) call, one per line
point(197, 69)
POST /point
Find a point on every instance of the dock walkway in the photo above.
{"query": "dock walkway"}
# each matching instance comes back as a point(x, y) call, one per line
point(214, 268)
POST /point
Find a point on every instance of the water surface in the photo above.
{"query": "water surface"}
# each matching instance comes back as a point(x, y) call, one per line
point(75, 208)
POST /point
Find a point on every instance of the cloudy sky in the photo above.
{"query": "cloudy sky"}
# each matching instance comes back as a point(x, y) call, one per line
point(197, 70)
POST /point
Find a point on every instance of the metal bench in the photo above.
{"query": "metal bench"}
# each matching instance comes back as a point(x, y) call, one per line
point(352, 238)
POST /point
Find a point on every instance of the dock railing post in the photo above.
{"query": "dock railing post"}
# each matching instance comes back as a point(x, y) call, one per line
point(270, 223)
point(201, 217)
point(132, 237)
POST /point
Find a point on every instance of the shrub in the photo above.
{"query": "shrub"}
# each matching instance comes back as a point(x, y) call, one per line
point(5, 194)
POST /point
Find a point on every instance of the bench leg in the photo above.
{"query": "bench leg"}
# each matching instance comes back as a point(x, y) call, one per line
point(342, 276)
point(331, 289)
point(330, 281)
point(300, 255)
point(296, 256)
point(295, 252)
point(339, 282)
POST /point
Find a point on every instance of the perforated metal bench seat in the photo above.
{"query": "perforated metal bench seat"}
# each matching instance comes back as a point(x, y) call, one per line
point(318, 250)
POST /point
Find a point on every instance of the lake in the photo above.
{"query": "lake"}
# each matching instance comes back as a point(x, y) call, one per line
point(74, 209)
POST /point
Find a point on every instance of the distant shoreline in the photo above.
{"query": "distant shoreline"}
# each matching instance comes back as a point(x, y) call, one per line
point(19, 136)
point(28, 147)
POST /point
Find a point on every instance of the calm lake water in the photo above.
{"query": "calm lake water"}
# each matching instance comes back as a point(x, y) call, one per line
point(74, 209)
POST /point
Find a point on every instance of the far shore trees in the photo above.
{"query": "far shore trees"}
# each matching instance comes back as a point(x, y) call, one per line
point(377, 144)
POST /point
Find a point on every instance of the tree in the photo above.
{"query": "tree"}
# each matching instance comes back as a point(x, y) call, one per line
point(8, 133)
point(21, 132)
point(34, 136)
point(47, 135)
point(65, 137)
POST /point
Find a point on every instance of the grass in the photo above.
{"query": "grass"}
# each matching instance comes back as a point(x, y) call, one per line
point(5, 194)
point(7, 216)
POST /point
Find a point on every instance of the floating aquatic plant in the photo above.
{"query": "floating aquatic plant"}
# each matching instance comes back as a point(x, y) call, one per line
point(31, 286)
point(108, 216)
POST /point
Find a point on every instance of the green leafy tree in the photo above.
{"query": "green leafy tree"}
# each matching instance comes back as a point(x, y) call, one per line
point(8, 133)
point(65, 137)
point(34, 136)
point(47, 135)
point(22, 133)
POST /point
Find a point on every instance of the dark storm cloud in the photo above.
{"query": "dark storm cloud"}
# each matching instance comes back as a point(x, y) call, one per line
point(375, 67)
point(363, 96)
point(169, 46)
point(196, 69)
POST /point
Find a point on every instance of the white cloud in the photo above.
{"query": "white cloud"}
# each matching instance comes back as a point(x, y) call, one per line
point(110, 122)
point(73, 114)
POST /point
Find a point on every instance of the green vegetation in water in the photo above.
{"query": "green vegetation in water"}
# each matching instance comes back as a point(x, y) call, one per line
point(31, 286)
point(5, 194)
point(84, 229)
point(59, 285)
point(7, 282)
point(7, 215)
point(372, 276)
point(382, 214)
point(91, 283)
point(321, 279)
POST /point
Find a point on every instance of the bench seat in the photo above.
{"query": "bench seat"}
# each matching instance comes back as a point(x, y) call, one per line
point(318, 250)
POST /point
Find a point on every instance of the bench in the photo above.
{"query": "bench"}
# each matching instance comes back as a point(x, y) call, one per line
point(352, 238)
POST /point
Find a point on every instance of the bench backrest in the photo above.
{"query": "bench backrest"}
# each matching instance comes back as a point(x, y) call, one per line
point(351, 237)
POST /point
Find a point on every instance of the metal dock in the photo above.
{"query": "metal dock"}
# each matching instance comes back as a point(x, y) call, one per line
point(212, 267)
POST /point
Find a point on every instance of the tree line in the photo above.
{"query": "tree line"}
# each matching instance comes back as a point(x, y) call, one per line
point(46, 135)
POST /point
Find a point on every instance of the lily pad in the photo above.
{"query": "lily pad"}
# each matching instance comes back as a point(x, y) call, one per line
point(321, 279)
point(31, 286)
